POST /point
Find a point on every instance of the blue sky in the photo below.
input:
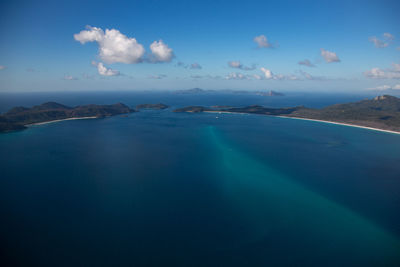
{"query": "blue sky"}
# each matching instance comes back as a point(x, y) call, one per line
point(43, 47)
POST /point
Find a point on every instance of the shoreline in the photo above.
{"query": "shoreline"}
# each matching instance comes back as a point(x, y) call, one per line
point(323, 121)
point(343, 123)
point(67, 119)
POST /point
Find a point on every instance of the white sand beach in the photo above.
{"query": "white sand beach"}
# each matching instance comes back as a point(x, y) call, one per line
point(344, 124)
point(298, 118)
point(68, 119)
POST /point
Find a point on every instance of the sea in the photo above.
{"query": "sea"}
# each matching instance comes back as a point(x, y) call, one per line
point(158, 188)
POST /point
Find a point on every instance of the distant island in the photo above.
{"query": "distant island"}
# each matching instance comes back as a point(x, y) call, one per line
point(193, 91)
point(246, 92)
point(19, 117)
point(381, 112)
point(151, 106)
point(269, 93)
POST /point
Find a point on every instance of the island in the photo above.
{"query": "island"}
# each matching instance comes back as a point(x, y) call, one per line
point(381, 112)
point(229, 91)
point(151, 106)
point(19, 118)
point(272, 93)
point(194, 109)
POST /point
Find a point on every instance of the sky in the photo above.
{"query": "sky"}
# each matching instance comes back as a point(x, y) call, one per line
point(317, 46)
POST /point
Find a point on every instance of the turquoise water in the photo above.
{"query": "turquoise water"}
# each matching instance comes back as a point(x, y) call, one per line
point(159, 188)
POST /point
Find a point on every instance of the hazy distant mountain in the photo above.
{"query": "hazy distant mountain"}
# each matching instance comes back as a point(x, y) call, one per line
point(192, 91)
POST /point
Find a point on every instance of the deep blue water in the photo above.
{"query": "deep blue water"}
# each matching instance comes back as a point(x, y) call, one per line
point(160, 188)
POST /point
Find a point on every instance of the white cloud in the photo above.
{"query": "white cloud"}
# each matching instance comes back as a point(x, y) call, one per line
point(234, 64)
point(114, 47)
point(195, 66)
point(92, 34)
point(161, 52)
point(236, 76)
point(2, 67)
point(391, 73)
point(306, 62)
point(262, 41)
point(238, 65)
point(388, 37)
point(70, 78)
point(386, 87)
point(103, 70)
point(329, 56)
point(267, 73)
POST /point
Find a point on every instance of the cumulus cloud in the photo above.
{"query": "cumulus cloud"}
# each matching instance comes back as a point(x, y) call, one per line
point(103, 70)
point(329, 56)
point(2, 67)
point(262, 41)
point(114, 47)
point(238, 65)
point(386, 87)
point(306, 62)
point(69, 78)
point(390, 73)
point(161, 52)
point(269, 75)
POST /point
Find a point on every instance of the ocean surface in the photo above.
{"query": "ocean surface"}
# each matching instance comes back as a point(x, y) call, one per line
point(157, 188)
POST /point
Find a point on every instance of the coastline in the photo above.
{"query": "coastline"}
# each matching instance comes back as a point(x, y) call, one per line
point(344, 124)
point(228, 112)
point(67, 119)
point(323, 121)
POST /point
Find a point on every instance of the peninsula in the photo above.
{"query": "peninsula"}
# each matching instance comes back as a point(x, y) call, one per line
point(381, 112)
point(19, 117)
